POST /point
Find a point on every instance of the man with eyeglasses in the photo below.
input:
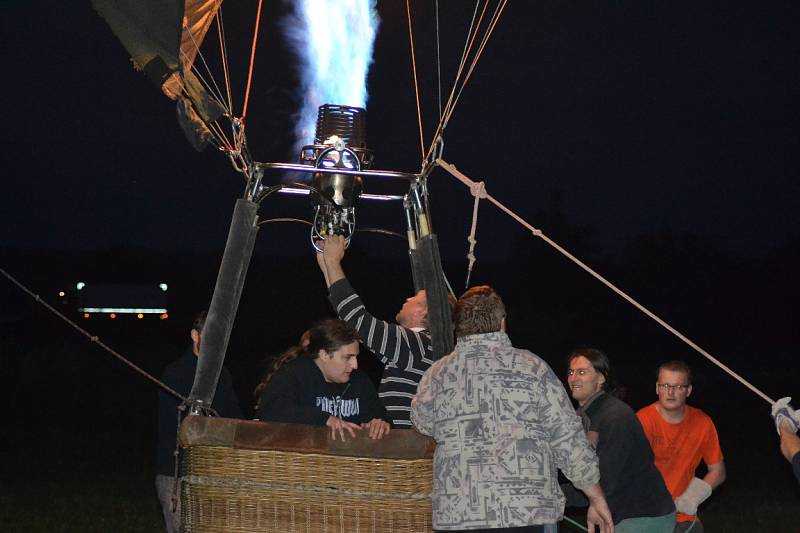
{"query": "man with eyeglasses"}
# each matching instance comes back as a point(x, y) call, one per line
point(681, 436)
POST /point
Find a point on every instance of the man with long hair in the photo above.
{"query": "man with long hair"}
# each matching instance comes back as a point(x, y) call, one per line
point(323, 386)
point(636, 494)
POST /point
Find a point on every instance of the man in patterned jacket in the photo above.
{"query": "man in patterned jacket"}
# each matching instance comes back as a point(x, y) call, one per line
point(503, 426)
point(405, 347)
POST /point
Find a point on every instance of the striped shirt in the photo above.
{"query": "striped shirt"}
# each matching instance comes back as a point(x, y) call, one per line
point(406, 353)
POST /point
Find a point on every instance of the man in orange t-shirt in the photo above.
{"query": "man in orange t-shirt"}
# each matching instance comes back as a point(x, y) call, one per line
point(681, 436)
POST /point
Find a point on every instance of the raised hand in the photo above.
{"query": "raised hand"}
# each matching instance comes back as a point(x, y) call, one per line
point(333, 252)
point(332, 255)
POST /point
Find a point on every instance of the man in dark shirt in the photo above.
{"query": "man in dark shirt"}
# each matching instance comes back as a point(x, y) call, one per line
point(405, 347)
point(179, 376)
point(323, 386)
point(636, 493)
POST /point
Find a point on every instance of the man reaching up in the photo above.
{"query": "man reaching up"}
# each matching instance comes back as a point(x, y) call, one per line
point(405, 347)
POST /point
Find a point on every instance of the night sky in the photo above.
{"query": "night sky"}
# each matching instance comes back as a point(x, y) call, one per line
point(625, 118)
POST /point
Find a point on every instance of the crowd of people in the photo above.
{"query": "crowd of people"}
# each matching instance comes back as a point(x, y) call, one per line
point(505, 425)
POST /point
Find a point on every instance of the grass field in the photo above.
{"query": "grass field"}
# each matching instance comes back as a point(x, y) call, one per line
point(108, 487)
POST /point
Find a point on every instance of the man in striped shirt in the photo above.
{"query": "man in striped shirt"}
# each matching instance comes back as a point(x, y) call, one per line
point(404, 348)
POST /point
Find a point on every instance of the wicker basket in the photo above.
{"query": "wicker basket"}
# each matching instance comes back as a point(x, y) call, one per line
point(256, 476)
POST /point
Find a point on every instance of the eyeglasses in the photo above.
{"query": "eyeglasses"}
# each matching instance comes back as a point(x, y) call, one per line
point(666, 387)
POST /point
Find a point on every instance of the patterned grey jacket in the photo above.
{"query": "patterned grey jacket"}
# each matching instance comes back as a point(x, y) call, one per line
point(503, 425)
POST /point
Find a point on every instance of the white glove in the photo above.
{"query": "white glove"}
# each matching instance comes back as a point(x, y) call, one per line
point(782, 411)
point(696, 493)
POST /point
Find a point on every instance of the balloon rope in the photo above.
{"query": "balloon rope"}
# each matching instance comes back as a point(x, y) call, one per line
point(93, 338)
point(438, 64)
point(471, 35)
point(538, 233)
point(416, 83)
point(479, 192)
point(214, 91)
point(493, 22)
point(224, 53)
point(252, 61)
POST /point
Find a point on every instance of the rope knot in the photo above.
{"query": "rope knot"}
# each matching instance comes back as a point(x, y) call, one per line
point(478, 189)
point(537, 232)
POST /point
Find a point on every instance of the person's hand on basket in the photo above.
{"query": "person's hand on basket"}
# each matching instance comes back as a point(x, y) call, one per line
point(377, 428)
point(337, 424)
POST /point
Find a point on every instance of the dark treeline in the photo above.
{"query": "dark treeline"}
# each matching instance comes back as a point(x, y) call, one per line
point(740, 310)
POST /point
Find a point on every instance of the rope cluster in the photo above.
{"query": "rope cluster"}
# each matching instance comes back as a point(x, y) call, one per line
point(478, 190)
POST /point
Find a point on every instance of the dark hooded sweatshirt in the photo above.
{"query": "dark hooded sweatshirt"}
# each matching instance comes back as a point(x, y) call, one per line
point(298, 393)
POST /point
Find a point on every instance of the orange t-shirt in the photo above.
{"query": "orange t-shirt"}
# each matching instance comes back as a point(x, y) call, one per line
point(678, 448)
